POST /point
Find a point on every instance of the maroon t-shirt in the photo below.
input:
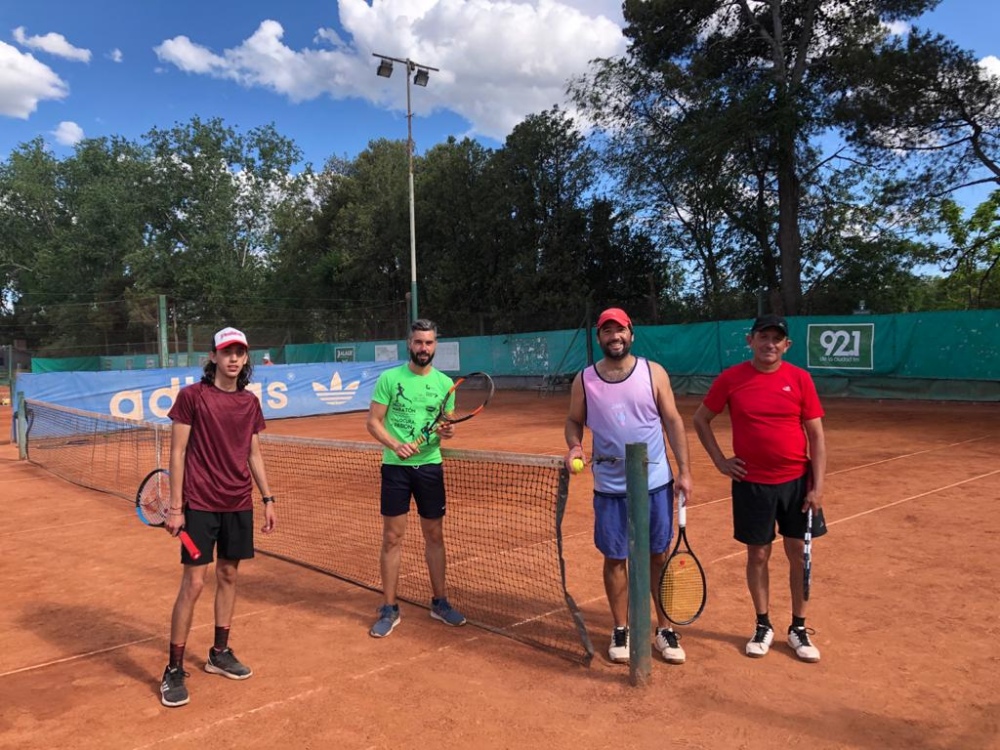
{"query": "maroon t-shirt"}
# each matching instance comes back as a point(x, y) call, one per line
point(216, 470)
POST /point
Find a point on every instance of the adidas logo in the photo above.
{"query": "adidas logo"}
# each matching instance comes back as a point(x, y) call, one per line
point(337, 394)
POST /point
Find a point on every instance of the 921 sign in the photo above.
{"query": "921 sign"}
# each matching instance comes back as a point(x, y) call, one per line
point(841, 346)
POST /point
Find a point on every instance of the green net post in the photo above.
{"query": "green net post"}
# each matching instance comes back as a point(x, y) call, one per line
point(637, 489)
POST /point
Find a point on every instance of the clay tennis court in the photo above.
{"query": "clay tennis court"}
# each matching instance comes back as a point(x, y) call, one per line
point(904, 608)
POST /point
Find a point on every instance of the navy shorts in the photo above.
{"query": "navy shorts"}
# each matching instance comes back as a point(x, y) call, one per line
point(758, 507)
point(611, 522)
point(425, 484)
point(231, 533)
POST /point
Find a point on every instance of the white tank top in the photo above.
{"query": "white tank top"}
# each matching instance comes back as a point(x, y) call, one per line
point(619, 413)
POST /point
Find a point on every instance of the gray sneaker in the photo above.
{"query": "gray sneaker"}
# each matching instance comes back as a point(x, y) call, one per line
point(172, 690)
point(388, 619)
point(443, 611)
point(225, 663)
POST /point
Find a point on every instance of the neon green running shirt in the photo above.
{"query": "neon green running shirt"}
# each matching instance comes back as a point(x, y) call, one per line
point(412, 402)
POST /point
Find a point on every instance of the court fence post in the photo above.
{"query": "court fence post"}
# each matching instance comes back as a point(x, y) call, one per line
point(22, 428)
point(637, 489)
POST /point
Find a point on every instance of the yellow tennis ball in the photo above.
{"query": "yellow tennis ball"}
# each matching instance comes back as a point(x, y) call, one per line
point(577, 465)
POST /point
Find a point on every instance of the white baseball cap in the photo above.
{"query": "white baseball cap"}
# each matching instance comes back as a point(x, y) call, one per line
point(229, 337)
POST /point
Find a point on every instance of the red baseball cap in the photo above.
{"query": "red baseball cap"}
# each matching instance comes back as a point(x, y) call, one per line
point(615, 314)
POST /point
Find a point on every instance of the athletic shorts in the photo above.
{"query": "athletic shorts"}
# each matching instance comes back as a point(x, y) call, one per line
point(231, 533)
point(611, 522)
point(758, 507)
point(424, 483)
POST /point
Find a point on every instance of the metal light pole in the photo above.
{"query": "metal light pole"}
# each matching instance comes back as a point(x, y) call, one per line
point(420, 77)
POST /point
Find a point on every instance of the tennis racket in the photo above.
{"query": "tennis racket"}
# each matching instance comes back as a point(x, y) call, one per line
point(807, 556)
point(464, 400)
point(152, 504)
point(682, 590)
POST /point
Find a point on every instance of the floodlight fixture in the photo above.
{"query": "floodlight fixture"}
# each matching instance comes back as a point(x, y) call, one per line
point(421, 74)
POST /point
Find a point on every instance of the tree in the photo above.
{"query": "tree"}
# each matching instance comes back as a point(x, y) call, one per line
point(214, 192)
point(736, 100)
point(68, 228)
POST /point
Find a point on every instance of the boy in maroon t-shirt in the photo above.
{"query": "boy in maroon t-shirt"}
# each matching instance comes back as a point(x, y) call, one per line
point(777, 470)
point(214, 453)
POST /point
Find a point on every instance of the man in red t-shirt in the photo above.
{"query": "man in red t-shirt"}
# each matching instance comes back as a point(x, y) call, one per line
point(214, 453)
point(777, 469)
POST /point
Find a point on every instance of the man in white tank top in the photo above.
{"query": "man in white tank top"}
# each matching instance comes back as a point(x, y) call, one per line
point(627, 399)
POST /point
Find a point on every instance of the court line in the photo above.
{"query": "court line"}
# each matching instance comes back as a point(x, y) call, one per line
point(235, 717)
point(305, 694)
point(743, 552)
point(883, 507)
point(873, 463)
point(136, 642)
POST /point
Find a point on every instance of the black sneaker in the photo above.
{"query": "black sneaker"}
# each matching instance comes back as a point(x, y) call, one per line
point(172, 690)
point(225, 663)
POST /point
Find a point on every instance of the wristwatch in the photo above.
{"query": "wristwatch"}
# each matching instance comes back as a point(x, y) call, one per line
point(268, 499)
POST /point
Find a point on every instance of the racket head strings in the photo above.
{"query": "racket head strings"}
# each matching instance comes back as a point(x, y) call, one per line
point(682, 590)
point(153, 499)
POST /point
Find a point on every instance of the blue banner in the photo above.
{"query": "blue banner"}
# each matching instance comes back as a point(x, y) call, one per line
point(147, 395)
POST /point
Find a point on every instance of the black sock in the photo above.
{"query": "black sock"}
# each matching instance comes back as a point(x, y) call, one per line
point(763, 619)
point(221, 638)
point(176, 656)
point(798, 622)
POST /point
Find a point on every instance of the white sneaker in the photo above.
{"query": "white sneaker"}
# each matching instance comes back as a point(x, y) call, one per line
point(798, 639)
point(618, 650)
point(760, 644)
point(667, 643)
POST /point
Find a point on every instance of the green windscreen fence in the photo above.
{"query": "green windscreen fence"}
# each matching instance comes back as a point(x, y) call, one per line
point(939, 355)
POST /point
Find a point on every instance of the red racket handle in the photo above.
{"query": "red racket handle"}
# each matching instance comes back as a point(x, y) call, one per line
point(189, 545)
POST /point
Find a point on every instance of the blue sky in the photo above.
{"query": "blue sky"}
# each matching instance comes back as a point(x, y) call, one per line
point(72, 68)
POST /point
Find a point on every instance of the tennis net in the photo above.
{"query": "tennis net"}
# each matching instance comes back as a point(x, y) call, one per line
point(503, 529)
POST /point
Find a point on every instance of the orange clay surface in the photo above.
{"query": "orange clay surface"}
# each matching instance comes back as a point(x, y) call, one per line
point(904, 607)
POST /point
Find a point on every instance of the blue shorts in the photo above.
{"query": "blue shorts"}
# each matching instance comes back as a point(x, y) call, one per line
point(611, 522)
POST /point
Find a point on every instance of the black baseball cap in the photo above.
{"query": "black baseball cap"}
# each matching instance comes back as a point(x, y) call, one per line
point(770, 321)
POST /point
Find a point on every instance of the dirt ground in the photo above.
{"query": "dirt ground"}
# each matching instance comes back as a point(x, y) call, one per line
point(904, 608)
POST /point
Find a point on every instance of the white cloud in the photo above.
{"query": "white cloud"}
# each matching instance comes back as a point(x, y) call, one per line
point(68, 133)
point(991, 64)
point(897, 28)
point(499, 60)
point(24, 82)
point(116, 55)
point(54, 44)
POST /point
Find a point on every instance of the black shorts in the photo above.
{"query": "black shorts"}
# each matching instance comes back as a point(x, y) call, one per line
point(424, 483)
point(757, 507)
point(231, 532)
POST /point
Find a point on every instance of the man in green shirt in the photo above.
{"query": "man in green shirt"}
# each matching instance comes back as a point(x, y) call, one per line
point(405, 402)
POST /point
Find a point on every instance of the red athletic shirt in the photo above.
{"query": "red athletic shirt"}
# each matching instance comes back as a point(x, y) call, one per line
point(767, 410)
point(216, 470)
